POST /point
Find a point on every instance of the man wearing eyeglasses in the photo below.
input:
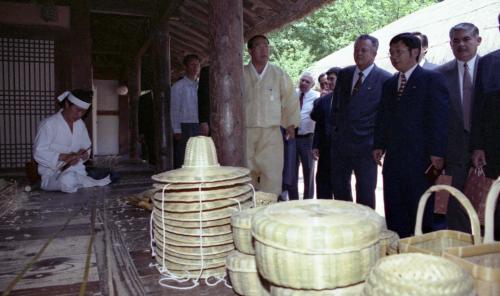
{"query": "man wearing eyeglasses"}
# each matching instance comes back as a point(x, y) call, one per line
point(411, 130)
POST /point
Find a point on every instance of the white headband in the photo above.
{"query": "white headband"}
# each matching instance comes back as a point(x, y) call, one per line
point(73, 99)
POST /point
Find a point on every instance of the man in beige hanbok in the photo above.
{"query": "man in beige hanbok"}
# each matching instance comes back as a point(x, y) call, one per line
point(270, 102)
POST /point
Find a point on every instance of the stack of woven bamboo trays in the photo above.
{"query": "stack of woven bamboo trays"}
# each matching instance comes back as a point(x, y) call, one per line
point(316, 247)
point(192, 211)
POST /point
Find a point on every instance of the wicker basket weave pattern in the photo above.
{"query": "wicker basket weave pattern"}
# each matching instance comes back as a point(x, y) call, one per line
point(244, 277)
point(316, 244)
point(418, 274)
point(353, 290)
point(437, 242)
point(241, 223)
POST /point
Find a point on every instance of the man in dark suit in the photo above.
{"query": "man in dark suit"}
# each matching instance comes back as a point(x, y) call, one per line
point(485, 135)
point(460, 74)
point(354, 108)
point(321, 113)
point(411, 130)
point(422, 61)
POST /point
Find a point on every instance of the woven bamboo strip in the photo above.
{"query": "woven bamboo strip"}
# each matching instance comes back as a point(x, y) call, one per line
point(244, 277)
point(437, 242)
point(353, 290)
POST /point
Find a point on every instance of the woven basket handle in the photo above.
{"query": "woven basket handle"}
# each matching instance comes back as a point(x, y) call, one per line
point(464, 201)
point(489, 215)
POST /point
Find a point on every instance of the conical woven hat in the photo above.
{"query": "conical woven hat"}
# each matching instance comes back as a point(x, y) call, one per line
point(201, 165)
point(418, 274)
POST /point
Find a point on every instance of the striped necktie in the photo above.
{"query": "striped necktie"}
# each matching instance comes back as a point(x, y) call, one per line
point(357, 85)
point(402, 84)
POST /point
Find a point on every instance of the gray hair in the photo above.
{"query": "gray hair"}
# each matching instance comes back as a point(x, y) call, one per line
point(372, 39)
point(467, 27)
point(308, 74)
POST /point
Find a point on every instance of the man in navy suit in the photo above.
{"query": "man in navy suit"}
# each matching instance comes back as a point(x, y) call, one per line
point(485, 135)
point(321, 113)
point(354, 108)
point(411, 130)
point(464, 41)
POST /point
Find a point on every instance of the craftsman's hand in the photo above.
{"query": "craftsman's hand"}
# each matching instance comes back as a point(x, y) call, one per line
point(437, 162)
point(178, 137)
point(290, 132)
point(204, 129)
point(83, 154)
point(315, 153)
point(377, 156)
point(478, 158)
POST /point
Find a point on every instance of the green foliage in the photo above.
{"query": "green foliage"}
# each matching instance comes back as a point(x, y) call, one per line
point(332, 27)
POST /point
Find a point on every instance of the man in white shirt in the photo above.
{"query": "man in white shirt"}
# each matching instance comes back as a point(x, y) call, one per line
point(461, 74)
point(184, 107)
point(270, 102)
point(62, 145)
point(305, 132)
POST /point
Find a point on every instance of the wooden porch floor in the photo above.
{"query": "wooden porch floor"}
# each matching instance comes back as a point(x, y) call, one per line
point(48, 234)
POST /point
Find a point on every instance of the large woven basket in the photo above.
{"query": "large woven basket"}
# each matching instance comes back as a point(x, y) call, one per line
point(316, 244)
point(418, 274)
point(353, 290)
point(483, 261)
point(438, 241)
point(241, 223)
point(205, 195)
point(244, 277)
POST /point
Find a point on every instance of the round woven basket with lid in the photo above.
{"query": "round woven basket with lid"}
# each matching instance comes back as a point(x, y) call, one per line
point(241, 223)
point(418, 274)
point(353, 290)
point(316, 244)
point(244, 277)
point(201, 165)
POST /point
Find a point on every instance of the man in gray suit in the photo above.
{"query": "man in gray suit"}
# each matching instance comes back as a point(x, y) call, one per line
point(460, 74)
point(354, 109)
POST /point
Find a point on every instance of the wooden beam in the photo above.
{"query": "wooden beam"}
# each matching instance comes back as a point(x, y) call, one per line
point(227, 117)
point(161, 102)
point(163, 21)
point(124, 7)
point(134, 89)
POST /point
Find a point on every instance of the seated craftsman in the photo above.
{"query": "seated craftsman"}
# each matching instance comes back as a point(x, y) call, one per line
point(62, 145)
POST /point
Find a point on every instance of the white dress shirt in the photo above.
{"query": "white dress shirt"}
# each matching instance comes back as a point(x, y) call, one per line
point(306, 123)
point(355, 77)
point(184, 103)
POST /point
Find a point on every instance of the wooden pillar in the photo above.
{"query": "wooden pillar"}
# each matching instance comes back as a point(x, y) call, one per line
point(161, 99)
point(134, 90)
point(226, 76)
point(81, 45)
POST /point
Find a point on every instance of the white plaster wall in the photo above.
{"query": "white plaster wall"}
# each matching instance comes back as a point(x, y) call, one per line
point(107, 126)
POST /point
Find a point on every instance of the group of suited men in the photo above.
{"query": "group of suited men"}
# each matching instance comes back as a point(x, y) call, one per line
point(423, 118)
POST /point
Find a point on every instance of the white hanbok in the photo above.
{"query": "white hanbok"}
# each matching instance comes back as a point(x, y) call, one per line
point(53, 138)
